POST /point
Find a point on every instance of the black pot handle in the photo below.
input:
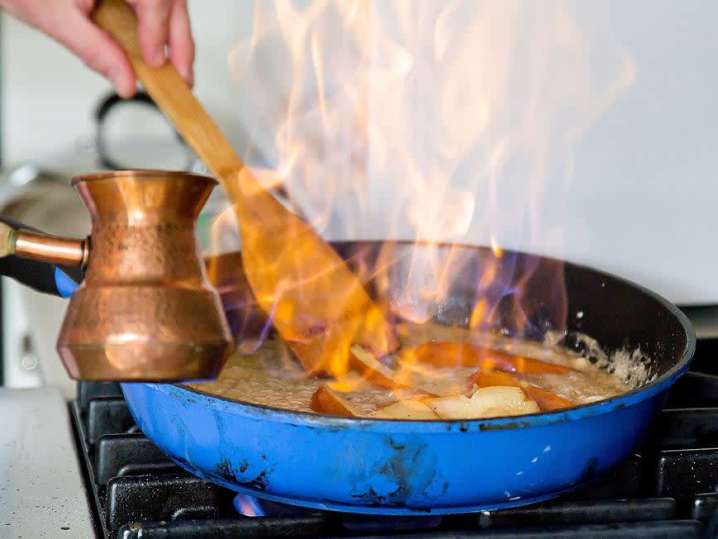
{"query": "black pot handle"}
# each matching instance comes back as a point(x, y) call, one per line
point(41, 276)
point(108, 104)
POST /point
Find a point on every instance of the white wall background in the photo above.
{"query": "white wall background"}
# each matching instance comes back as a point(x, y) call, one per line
point(642, 200)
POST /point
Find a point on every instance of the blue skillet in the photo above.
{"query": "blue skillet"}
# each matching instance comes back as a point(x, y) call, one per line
point(432, 467)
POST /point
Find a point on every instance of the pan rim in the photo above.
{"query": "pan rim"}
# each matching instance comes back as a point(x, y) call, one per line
point(601, 407)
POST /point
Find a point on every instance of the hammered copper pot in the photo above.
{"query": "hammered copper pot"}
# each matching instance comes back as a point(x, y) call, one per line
point(145, 310)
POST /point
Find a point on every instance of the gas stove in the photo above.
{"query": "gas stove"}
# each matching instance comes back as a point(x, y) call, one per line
point(666, 489)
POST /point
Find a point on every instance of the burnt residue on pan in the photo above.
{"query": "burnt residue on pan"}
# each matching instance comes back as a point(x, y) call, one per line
point(258, 483)
point(226, 471)
point(409, 469)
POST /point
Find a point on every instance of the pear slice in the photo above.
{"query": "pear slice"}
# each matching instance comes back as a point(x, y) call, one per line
point(406, 409)
point(327, 401)
point(373, 369)
point(547, 400)
point(494, 401)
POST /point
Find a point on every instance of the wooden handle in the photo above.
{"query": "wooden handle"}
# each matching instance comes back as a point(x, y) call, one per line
point(174, 97)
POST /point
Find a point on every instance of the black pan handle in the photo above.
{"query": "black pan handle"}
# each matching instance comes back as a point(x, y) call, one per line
point(41, 276)
point(108, 104)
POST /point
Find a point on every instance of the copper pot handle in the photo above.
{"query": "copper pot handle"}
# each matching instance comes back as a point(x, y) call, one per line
point(16, 240)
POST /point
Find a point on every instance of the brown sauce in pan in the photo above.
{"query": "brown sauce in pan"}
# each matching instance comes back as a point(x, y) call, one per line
point(271, 377)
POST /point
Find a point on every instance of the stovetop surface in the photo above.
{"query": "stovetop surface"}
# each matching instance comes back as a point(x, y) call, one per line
point(666, 489)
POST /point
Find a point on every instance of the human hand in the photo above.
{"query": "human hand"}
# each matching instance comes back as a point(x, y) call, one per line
point(163, 27)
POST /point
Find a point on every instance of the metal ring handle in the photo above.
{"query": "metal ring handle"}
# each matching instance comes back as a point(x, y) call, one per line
point(107, 105)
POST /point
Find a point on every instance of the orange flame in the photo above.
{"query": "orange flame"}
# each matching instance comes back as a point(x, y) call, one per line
point(428, 121)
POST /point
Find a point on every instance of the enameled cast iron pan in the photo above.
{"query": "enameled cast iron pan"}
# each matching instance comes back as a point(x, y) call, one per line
point(407, 467)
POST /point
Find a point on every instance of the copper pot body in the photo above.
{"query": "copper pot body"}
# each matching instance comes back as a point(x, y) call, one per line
point(145, 311)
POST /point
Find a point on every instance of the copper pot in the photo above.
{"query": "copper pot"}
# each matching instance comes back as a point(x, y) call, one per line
point(145, 310)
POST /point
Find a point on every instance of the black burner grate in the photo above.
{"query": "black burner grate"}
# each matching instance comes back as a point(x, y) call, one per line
point(667, 489)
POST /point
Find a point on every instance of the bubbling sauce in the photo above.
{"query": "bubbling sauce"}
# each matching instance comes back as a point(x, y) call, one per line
point(271, 377)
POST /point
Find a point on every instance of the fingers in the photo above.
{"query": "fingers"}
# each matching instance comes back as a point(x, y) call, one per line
point(153, 18)
point(181, 43)
point(98, 51)
point(163, 23)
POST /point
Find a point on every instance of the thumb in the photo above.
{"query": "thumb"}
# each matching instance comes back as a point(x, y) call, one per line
point(98, 51)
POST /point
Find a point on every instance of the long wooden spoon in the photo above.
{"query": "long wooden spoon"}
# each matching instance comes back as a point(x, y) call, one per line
point(316, 303)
